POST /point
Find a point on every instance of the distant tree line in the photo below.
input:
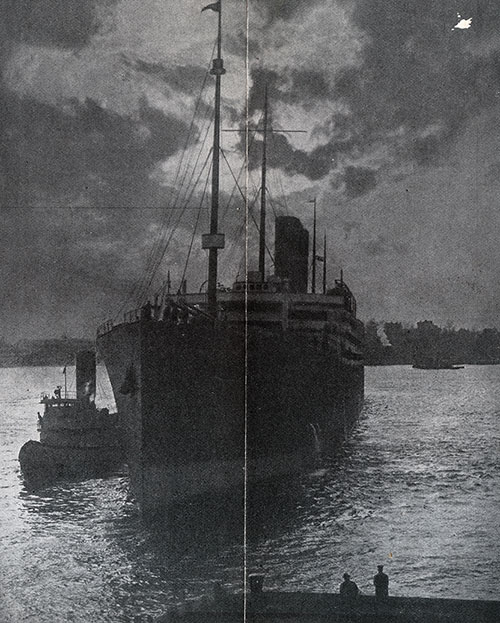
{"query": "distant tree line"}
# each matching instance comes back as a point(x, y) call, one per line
point(395, 343)
point(386, 343)
point(48, 352)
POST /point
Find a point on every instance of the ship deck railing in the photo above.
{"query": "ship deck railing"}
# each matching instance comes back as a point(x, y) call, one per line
point(68, 397)
point(191, 305)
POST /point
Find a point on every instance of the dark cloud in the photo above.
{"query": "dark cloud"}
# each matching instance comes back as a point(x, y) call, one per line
point(262, 79)
point(65, 23)
point(492, 174)
point(417, 83)
point(285, 9)
point(65, 269)
point(383, 245)
point(377, 246)
point(185, 78)
point(85, 153)
point(58, 23)
point(308, 86)
point(427, 150)
point(291, 86)
point(281, 154)
point(237, 43)
point(419, 80)
point(359, 181)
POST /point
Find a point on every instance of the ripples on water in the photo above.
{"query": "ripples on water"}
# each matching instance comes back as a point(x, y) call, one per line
point(416, 488)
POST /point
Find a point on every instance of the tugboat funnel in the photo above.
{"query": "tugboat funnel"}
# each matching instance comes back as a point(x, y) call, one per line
point(85, 375)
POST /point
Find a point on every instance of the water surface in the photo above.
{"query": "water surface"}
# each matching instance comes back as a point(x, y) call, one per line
point(416, 489)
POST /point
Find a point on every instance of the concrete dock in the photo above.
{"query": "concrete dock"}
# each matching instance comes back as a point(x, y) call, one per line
point(283, 607)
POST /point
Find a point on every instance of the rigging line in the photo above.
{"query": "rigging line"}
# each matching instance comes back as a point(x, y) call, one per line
point(153, 267)
point(191, 125)
point(242, 234)
point(258, 231)
point(166, 221)
point(193, 166)
point(176, 225)
point(133, 293)
point(231, 196)
point(243, 229)
point(235, 246)
point(197, 105)
point(255, 187)
point(196, 226)
point(279, 177)
point(161, 253)
point(240, 228)
point(190, 166)
point(236, 236)
point(198, 102)
point(160, 256)
point(233, 176)
point(285, 201)
point(239, 231)
point(250, 212)
point(241, 266)
point(242, 169)
point(163, 224)
point(271, 199)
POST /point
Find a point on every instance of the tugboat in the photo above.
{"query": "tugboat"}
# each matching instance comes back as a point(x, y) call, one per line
point(77, 440)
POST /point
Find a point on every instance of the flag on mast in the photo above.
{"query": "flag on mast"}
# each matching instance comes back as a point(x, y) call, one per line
point(215, 6)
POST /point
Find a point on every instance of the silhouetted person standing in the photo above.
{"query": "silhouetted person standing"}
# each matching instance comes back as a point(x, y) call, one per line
point(349, 589)
point(381, 583)
point(349, 592)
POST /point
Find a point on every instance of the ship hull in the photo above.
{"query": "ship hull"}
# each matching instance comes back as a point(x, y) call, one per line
point(209, 408)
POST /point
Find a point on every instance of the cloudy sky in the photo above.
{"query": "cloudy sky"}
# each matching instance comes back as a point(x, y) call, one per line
point(401, 112)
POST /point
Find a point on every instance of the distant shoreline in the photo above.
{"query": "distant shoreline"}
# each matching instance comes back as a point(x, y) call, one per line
point(460, 347)
point(42, 353)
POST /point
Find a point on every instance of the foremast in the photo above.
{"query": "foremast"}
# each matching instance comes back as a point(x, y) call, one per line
point(214, 240)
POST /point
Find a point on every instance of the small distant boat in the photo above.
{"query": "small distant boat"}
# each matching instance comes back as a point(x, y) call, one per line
point(435, 365)
point(77, 440)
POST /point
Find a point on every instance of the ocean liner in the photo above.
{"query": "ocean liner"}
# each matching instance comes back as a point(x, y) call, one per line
point(220, 389)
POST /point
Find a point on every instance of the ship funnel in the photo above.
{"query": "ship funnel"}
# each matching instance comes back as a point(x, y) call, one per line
point(291, 252)
point(85, 375)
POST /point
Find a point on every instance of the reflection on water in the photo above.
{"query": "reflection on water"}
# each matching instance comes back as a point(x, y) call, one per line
point(415, 488)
